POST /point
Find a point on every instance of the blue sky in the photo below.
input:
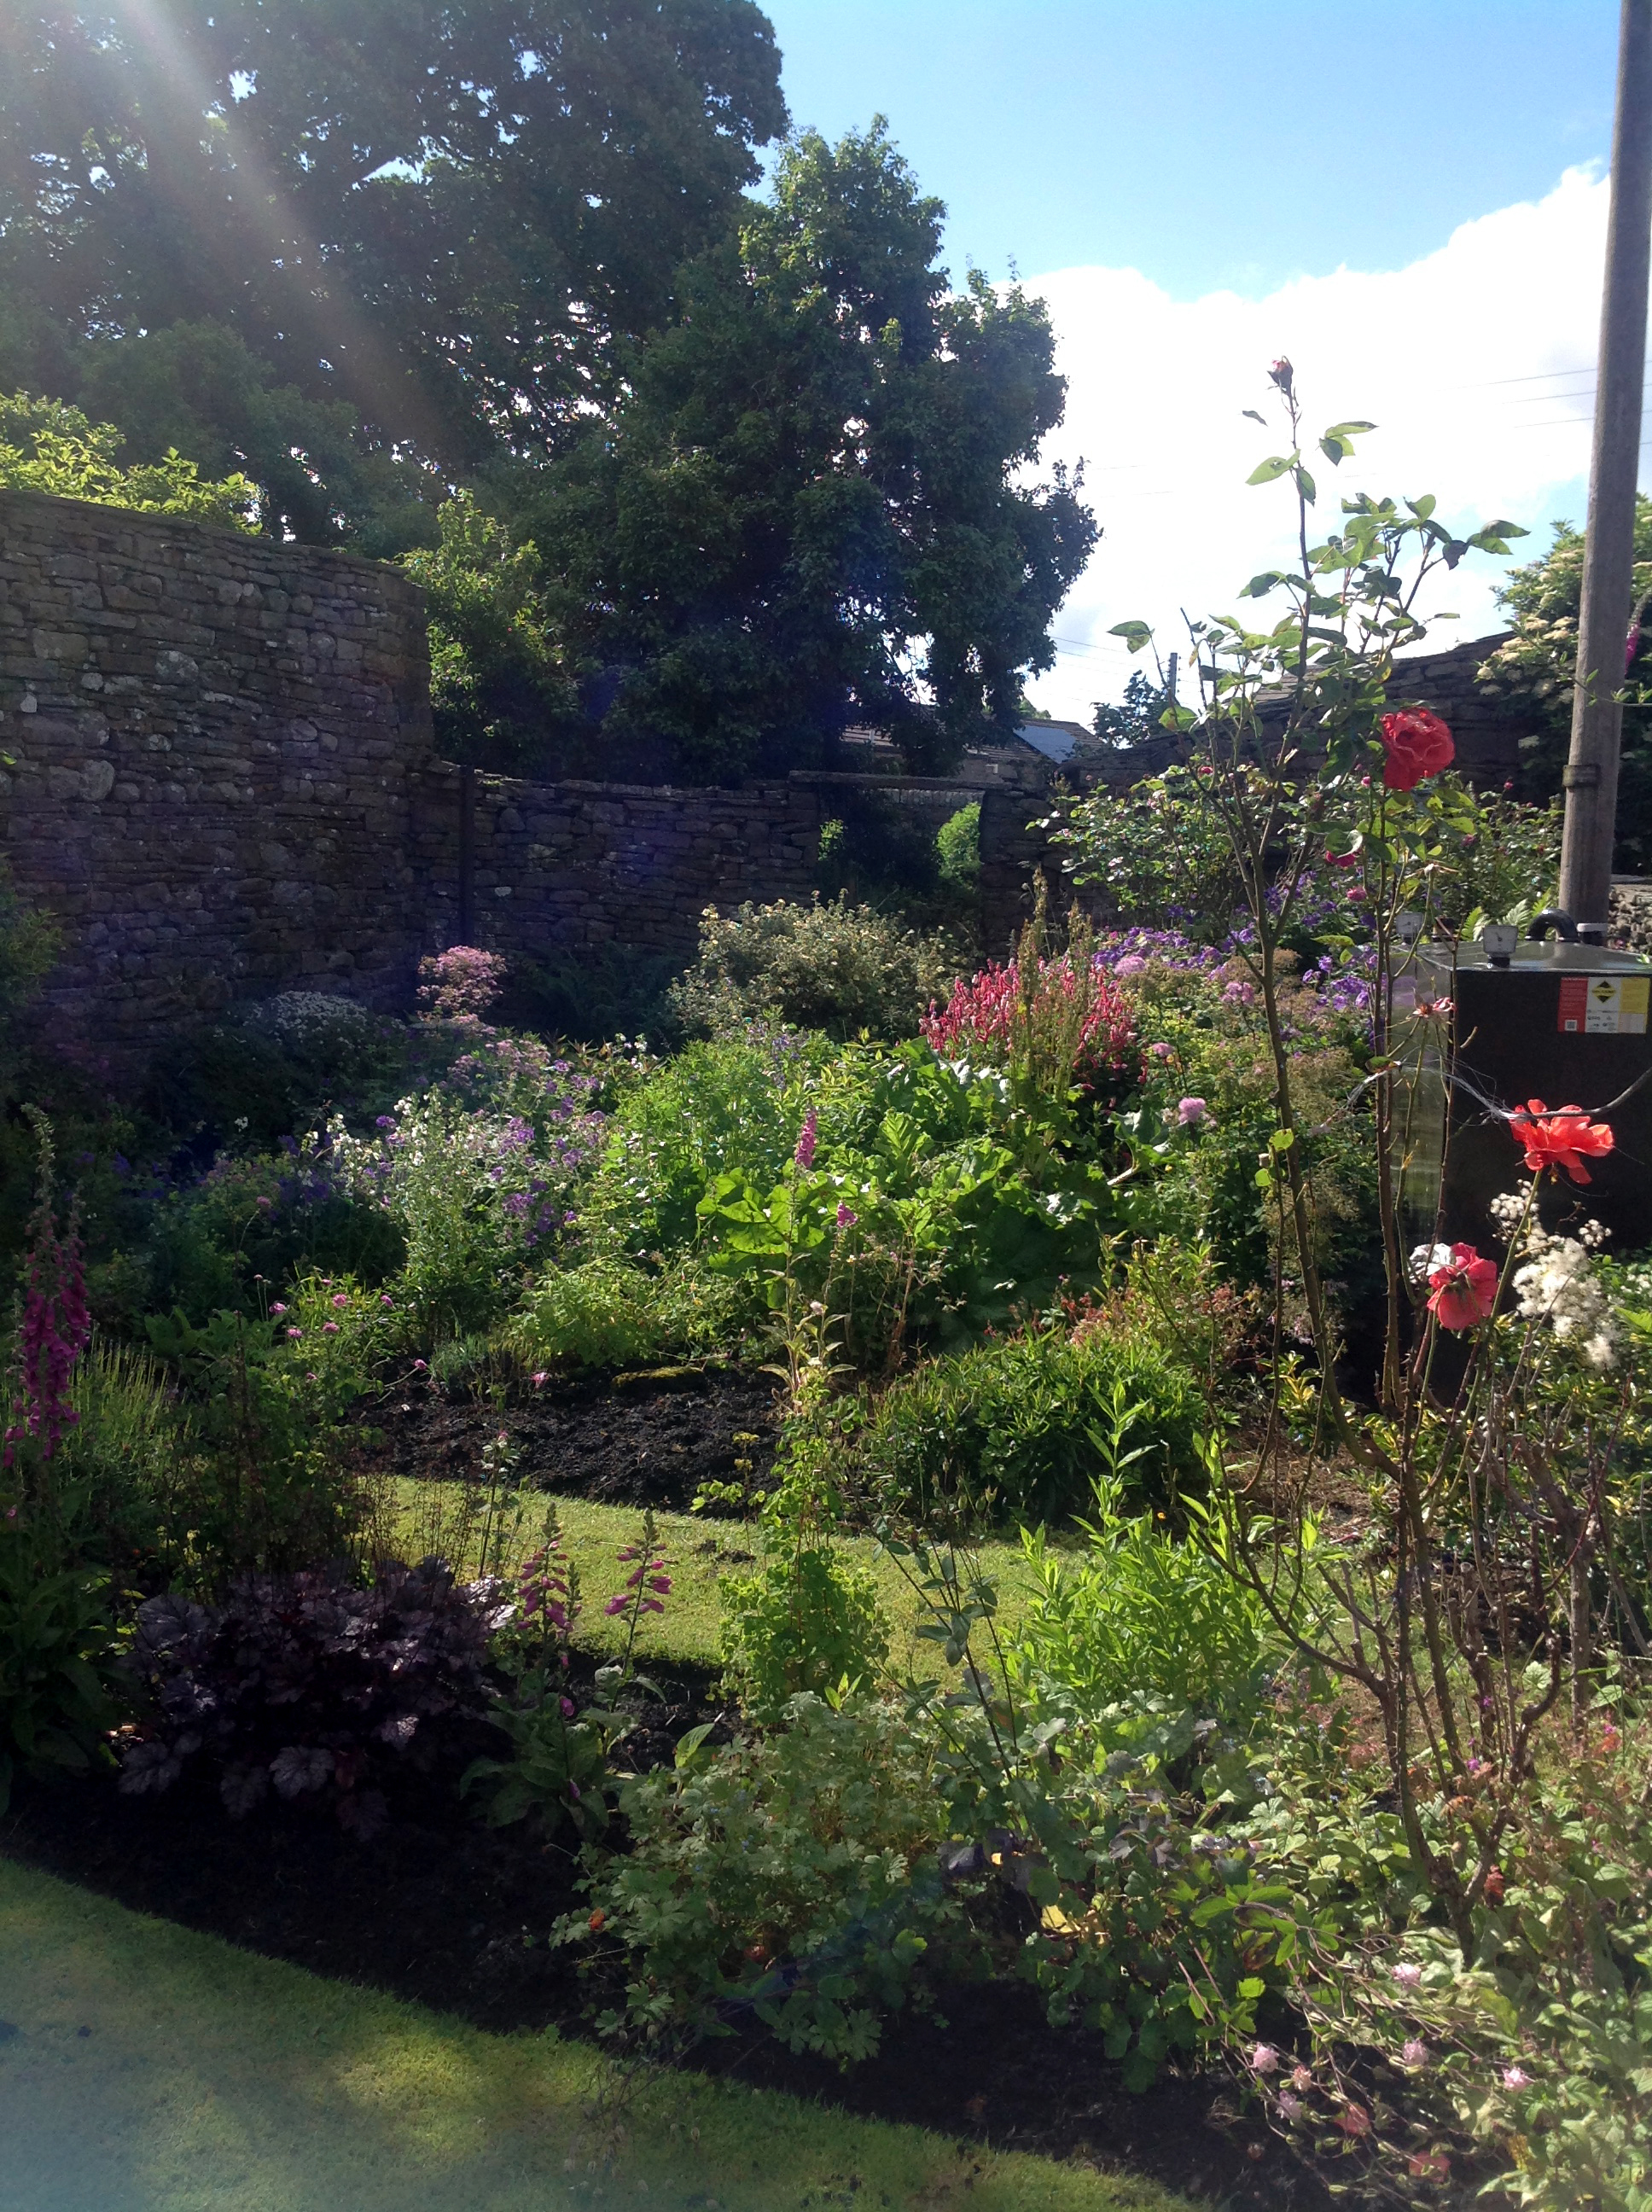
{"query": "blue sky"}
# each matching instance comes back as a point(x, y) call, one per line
point(1211, 143)
point(1409, 201)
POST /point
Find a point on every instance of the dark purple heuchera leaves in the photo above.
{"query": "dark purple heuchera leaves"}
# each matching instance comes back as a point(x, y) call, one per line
point(308, 1687)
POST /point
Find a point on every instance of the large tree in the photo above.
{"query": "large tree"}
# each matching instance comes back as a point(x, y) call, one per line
point(815, 503)
point(356, 236)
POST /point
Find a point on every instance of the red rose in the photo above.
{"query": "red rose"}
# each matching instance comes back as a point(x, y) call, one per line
point(1415, 744)
point(1465, 1289)
point(1559, 1139)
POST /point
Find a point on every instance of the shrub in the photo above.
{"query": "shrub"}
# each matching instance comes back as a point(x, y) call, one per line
point(782, 1876)
point(461, 983)
point(1006, 1430)
point(1137, 1615)
point(836, 967)
point(607, 1312)
point(310, 1684)
point(804, 1620)
point(56, 1642)
point(48, 445)
point(127, 1454)
point(272, 1070)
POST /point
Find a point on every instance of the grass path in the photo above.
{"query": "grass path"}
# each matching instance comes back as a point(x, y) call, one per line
point(144, 2069)
point(701, 1552)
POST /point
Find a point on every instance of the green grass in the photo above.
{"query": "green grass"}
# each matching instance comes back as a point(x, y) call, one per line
point(700, 1551)
point(144, 2069)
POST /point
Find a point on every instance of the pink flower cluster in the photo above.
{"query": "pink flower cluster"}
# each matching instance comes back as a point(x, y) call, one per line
point(982, 1014)
point(461, 983)
point(545, 1591)
point(55, 1329)
point(645, 1586)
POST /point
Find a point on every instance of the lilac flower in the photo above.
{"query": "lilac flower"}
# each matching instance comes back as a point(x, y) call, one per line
point(1190, 1112)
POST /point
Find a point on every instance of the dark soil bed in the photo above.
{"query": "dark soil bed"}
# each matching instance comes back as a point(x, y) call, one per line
point(451, 1914)
point(645, 1439)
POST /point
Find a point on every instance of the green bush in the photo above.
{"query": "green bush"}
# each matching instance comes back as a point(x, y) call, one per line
point(1140, 1614)
point(838, 968)
point(783, 1876)
point(273, 1070)
point(608, 1312)
point(804, 1620)
point(1011, 1430)
point(56, 1647)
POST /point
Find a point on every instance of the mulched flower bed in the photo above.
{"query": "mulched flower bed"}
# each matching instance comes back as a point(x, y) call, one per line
point(644, 1439)
point(452, 1914)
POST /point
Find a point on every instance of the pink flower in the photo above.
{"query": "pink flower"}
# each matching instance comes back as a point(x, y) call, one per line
point(1290, 2108)
point(330, 1329)
point(1190, 1112)
point(1354, 2120)
point(1264, 2059)
point(278, 1308)
point(1515, 2077)
point(804, 1154)
point(1465, 1289)
point(294, 1334)
point(1406, 1975)
point(1160, 1051)
point(1131, 964)
point(418, 1367)
point(264, 1205)
point(341, 1298)
point(1301, 2078)
point(1413, 2053)
point(1342, 860)
point(845, 1219)
point(1559, 1139)
point(616, 1605)
point(542, 1376)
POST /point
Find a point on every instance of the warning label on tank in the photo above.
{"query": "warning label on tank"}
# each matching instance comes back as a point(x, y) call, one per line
point(1604, 1006)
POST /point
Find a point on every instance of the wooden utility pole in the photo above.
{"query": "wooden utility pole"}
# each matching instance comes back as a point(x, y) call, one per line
point(1614, 468)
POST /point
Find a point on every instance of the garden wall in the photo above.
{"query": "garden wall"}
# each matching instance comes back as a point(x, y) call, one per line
point(216, 772)
point(212, 744)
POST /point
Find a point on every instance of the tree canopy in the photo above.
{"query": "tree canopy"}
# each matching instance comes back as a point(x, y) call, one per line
point(813, 505)
point(1535, 669)
point(395, 230)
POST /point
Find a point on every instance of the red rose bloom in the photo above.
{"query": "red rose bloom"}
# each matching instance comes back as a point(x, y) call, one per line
point(1559, 1139)
point(1415, 744)
point(1465, 1289)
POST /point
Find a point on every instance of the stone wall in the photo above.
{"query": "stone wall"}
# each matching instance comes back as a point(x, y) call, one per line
point(216, 771)
point(212, 741)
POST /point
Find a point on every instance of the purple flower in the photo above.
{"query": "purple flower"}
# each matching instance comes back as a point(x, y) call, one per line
point(804, 1154)
point(845, 1219)
point(1190, 1112)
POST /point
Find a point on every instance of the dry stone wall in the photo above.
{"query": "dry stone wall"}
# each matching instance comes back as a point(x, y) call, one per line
point(210, 744)
point(216, 772)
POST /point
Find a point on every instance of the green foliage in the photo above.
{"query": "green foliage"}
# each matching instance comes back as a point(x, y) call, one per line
point(789, 1875)
point(957, 842)
point(836, 967)
point(1010, 1430)
point(57, 1644)
point(498, 685)
point(46, 446)
point(315, 214)
point(1139, 1613)
point(127, 1455)
point(268, 1486)
point(1532, 673)
point(28, 946)
point(275, 1069)
point(806, 1620)
point(1159, 851)
point(811, 506)
point(607, 1311)
point(1138, 718)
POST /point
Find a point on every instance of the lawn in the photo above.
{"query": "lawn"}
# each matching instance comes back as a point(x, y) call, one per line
point(700, 1553)
point(145, 2069)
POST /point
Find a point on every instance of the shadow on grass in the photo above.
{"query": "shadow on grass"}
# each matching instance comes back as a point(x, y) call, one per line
point(146, 2068)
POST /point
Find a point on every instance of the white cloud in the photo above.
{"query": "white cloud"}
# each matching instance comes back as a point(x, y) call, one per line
point(1476, 364)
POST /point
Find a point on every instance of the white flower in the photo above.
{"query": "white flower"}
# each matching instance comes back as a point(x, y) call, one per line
point(1508, 1211)
point(1558, 1285)
point(1425, 1259)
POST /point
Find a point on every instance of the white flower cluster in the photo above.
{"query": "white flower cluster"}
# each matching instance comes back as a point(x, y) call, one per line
point(1556, 1283)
